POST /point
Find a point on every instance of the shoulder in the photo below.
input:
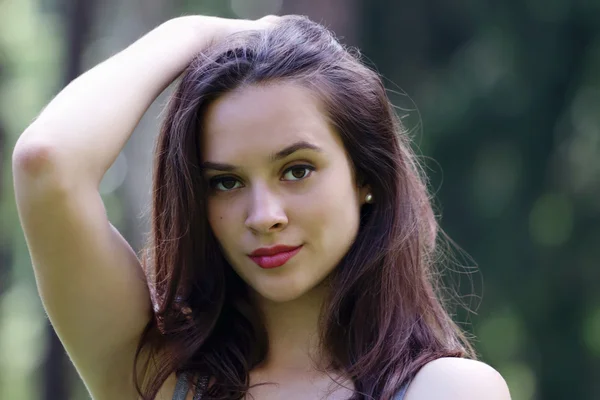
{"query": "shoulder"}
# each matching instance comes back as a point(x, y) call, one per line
point(457, 378)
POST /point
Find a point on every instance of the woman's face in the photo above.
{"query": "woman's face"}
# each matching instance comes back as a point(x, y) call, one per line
point(279, 175)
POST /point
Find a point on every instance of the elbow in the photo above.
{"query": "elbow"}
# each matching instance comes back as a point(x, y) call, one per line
point(37, 165)
point(32, 157)
point(36, 171)
point(39, 162)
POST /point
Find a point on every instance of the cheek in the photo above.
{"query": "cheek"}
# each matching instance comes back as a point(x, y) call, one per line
point(333, 205)
point(219, 219)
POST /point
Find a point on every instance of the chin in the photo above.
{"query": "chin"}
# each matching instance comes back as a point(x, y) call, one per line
point(287, 285)
point(281, 294)
point(290, 290)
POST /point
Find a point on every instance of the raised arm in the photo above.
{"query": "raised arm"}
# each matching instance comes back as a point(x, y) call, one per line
point(90, 280)
point(86, 125)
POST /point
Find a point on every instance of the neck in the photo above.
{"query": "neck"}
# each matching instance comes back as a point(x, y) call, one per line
point(293, 332)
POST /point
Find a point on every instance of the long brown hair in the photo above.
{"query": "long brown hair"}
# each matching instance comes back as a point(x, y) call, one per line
point(384, 318)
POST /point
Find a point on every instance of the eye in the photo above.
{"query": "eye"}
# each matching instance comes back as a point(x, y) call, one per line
point(298, 172)
point(224, 183)
point(229, 183)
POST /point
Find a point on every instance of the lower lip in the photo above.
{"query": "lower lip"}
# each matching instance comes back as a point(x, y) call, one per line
point(276, 260)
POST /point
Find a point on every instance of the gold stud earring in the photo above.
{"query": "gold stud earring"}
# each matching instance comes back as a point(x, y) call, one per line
point(369, 198)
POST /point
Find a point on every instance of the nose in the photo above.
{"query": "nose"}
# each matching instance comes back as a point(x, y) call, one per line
point(265, 212)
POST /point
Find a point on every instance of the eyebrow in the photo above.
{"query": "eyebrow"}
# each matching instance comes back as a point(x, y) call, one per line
point(289, 150)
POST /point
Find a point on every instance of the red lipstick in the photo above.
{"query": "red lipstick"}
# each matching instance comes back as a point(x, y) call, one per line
point(273, 257)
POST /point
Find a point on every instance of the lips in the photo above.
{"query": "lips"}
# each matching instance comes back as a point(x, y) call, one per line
point(275, 256)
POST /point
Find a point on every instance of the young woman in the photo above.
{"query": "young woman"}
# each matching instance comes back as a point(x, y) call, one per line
point(293, 242)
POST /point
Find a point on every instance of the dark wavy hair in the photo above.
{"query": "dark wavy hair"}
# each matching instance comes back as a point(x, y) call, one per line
point(383, 319)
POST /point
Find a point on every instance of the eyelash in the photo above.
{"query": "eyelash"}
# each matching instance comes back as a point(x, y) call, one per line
point(213, 182)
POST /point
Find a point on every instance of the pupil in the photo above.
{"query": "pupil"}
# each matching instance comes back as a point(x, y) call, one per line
point(228, 184)
point(296, 174)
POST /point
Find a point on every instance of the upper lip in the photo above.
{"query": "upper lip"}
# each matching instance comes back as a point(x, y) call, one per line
point(269, 251)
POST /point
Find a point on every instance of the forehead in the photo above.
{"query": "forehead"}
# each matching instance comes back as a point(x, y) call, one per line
point(261, 119)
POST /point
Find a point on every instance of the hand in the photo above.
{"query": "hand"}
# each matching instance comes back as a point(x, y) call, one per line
point(200, 31)
point(231, 26)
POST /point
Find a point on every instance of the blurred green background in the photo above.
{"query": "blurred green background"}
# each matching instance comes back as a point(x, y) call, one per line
point(503, 100)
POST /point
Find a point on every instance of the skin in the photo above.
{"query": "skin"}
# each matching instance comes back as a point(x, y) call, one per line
point(308, 198)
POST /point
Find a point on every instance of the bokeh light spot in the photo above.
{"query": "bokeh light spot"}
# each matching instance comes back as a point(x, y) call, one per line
point(551, 220)
point(520, 379)
point(591, 331)
point(501, 336)
point(497, 171)
point(115, 176)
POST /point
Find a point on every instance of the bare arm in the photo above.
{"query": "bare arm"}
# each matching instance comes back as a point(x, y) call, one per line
point(87, 124)
point(90, 280)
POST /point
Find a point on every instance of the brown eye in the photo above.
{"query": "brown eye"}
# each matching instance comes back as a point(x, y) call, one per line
point(299, 172)
point(223, 184)
point(228, 184)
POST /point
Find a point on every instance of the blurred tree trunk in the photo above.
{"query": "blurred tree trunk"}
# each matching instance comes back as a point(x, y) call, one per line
point(4, 249)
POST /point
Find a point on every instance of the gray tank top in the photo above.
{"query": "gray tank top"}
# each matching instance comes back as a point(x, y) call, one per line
point(182, 388)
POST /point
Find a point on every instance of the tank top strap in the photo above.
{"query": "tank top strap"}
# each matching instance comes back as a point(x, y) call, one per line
point(400, 394)
point(182, 387)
